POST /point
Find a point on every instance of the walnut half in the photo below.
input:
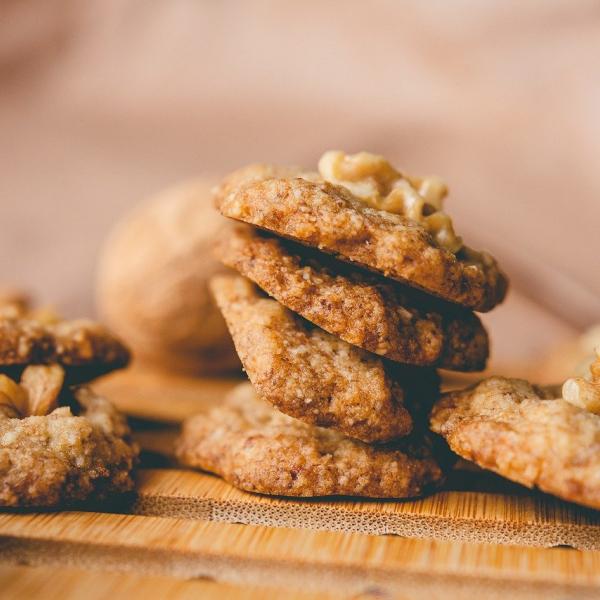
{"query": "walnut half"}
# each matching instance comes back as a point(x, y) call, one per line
point(585, 392)
point(374, 181)
point(35, 395)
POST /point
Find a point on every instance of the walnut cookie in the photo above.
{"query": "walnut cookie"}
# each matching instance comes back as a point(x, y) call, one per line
point(529, 434)
point(315, 377)
point(362, 210)
point(58, 445)
point(29, 336)
point(256, 448)
point(365, 310)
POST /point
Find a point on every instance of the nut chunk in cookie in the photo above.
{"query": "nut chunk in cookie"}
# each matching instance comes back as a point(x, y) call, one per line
point(58, 445)
point(258, 449)
point(361, 209)
point(38, 336)
point(314, 376)
point(363, 309)
point(528, 434)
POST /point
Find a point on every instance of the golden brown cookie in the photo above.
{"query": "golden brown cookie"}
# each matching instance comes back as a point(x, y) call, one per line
point(305, 208)
point(525, 433)
point(365, 310)
point(258, 449)
point(57, 447)
point(309, 374)
point(85, 348)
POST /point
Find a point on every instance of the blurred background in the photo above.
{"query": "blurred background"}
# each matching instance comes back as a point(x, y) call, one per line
point(104, 103)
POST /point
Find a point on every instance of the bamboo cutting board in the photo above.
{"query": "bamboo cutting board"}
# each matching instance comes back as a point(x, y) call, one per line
point(481, 535)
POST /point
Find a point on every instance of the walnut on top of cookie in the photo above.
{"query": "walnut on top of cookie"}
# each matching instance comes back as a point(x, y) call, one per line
point(356, 209)
point(36, 394)
point(583, 392)
point(362, 210)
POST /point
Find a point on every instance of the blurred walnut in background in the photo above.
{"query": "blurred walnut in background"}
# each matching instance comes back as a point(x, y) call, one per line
point(571, 358)
point(151, 285)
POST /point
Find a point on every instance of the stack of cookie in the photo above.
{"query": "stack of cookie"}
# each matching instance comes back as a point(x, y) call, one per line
point(354, 288)
point(59, 441)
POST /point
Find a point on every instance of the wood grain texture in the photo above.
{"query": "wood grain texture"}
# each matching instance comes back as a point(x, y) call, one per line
point(163, 397)
point(48, 583)
point(523, 520)
point(295, 559)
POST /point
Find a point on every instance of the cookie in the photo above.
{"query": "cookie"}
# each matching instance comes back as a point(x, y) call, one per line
point(328, 216)
point(258, 449)
point(309, 374)
point(371, 312)
point(525, 433)
point(85, 348)
point(59, 447)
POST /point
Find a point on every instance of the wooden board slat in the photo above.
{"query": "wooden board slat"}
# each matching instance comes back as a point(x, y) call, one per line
point(49, 583)
point(524, 520)
point(162, 397)
point(312, 561)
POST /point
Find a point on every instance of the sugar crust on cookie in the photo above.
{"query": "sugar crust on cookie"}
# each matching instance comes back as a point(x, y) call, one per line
point(525, 433)
point(64, 457)
point(256, 448)
point(309, 374)
point(298, 205)
point(365, 310)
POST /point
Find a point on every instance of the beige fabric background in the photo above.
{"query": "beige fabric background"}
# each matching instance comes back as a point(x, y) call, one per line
point(104, 103)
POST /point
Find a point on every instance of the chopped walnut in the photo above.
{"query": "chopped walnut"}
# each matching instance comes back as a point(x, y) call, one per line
point(13, 398)
point(585, 392)
point(16, 305)
point(13, 304)
point(373, 180)
point(35, 395)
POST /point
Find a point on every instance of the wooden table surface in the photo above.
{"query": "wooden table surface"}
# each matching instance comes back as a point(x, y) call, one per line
point(185, 533)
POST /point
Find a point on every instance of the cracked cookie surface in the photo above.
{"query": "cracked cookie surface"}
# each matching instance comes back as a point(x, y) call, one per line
point(526, 433)
point(309, 374)
point(256, 448)
point(365, 310)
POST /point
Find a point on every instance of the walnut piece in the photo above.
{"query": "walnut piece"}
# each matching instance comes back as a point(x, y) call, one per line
point(373, 180)
point(585, 392)
point(35, 395)
point(17, 305)
point(13, 303)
